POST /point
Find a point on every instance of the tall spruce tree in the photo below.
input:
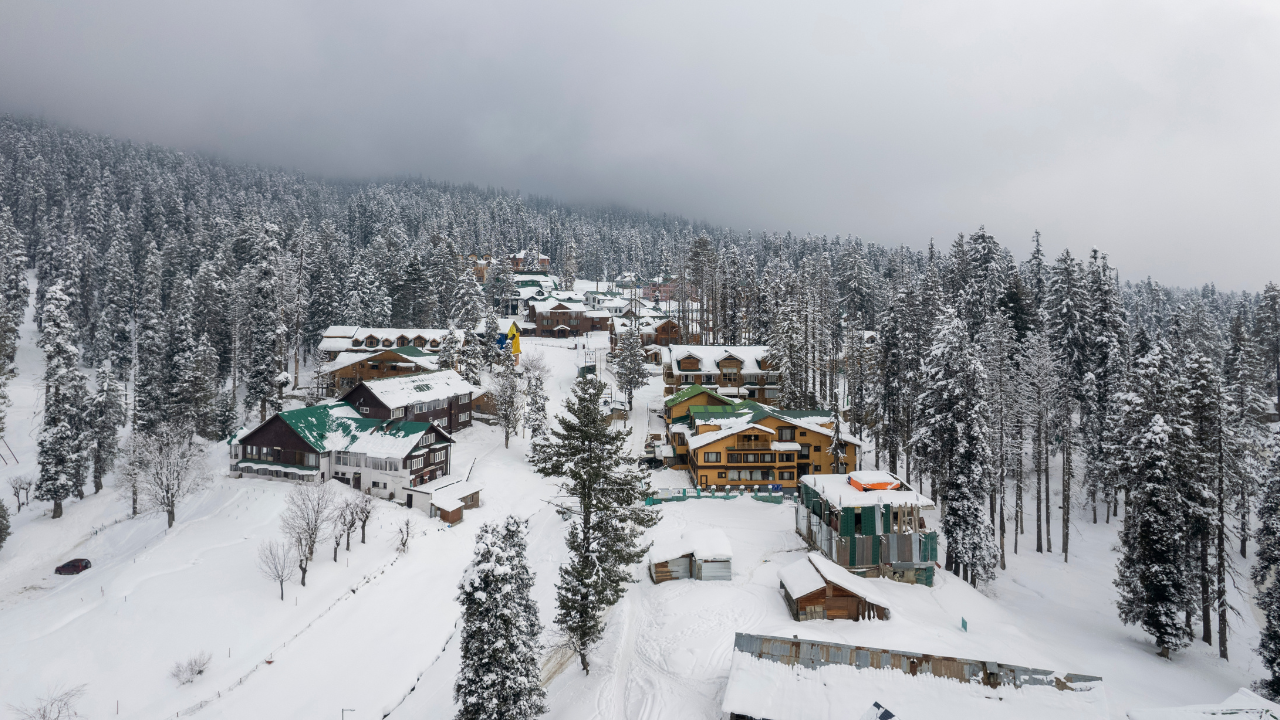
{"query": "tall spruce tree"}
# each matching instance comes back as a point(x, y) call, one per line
point(631, 372)
point(264, 333)
point(151, 387)
point(63, 444)
point(535, 414)
point(605, 490)
point(1264, 572)
point(106, 416)
point(499, 678)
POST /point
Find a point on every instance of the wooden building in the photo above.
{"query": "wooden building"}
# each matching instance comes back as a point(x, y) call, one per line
point(741, 372)
point(676, 406)
point(333, 441)
point(349, 368)
point(817, 589)
point(753, 446)
point(441, 397)
point(565, 317)
point(661, 331)
point(700, 555)
point(871, 531)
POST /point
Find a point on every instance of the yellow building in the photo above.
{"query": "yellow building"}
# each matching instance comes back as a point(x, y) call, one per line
point(754, 445)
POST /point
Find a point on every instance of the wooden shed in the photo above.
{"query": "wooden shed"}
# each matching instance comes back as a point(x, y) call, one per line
point(817, 589)
point(701, 555)
point(445, 499)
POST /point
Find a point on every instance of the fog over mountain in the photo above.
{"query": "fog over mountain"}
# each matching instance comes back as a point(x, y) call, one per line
point(1144, 128)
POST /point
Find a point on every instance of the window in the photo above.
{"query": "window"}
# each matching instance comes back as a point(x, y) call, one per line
point(786, 475)
point(464, 397)
point(721, 474)
point(680, 440)
point(546, 321)
point(311, 459)
point(416, 463)
point(787, 434)
point(803, 433)
point(711, 457)
point(735, 457)
point(817, 468)
point(397, 413)
point(786, 457)
point(817, 448)
point(371, 342)
point(364, 411)
point(750, 457)
point(708, 379)
point(771, 392)
point(373, 366)
point(438, 457)
point(766, 457)
point(573, 321)
point(464, 417)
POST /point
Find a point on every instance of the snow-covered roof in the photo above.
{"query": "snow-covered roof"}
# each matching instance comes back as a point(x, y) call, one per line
point(343, 337)
point(710, 355)
point(439, 385)
point(338, 426)
point(449, 498)
point(800, 578)
point(836, 490)
point(759, 687)
point(1244, 705)
point(409, 353)
point(730, 426)
point(709, 544)
point(862, 587)
point(545, 306)
point(785, 446)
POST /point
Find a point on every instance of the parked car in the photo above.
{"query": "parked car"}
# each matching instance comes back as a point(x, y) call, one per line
point(73, 567)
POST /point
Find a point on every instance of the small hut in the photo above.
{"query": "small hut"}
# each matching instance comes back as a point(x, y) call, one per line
point(445, 498)
point(701, 555)
point(817, 589)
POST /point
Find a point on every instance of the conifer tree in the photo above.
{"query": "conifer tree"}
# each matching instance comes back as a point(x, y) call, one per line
point(631, 372)
point(499, 677)
point(106, 416)
point(535, 414)
point(151, 388)
point(953, 437)
point(508, 400)
point(264, 334)
point(4, 524)
point(63, 442)
point(1265, 570)
point(608, 515)
point(113, 337)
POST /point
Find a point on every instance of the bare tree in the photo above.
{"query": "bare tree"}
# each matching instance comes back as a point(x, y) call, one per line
point(534, 363)
point(363, 512)
point(59, 704)
point(305, 518)
point(338, 523)
point(18, 485)
point(278, 562)
point(169, 468)
point(187, 672)
point(351, 516)
point(404, 533)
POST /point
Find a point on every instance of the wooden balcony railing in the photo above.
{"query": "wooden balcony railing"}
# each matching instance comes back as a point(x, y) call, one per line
point(752, 445)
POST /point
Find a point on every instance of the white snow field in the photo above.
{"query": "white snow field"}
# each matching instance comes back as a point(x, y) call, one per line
point(374, 632)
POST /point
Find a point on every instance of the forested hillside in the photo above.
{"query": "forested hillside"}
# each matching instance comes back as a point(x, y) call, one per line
point(200, 282)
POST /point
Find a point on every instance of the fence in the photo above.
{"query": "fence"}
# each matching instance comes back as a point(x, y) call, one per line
point(683, 494)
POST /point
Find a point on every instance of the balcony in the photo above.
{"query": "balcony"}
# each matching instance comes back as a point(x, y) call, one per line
point(752, 445)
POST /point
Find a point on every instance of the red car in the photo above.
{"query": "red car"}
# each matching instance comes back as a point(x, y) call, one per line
point(73, 567)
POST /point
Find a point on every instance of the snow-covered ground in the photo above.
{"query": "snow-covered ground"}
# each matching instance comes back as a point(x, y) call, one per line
point(375, 631)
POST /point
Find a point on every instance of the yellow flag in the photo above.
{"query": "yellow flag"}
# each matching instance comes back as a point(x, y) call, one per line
point(514, 336)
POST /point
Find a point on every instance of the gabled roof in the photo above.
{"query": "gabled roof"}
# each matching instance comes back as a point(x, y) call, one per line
point(711, 355)
point(338, 426)
point(730, 426)
point(693, 391)
point(411, 354)
point(420, 388)
point(836, 490)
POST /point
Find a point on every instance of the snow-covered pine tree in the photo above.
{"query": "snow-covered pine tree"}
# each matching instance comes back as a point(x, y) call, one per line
point(472, 357)
point(151, 388)
point(1244, 374)
point(952, 435)
point(631, 372)
point(468, 300)
point(604, 536)
point(498, 678)
point(450, 346)
point(185, 381)
point(508, 400)
point(4, 524)
point(1265, 571)
point(568, 264)
point(113, 337)
point(1069, 330)
point(535, 413)
point(1151, 573)
point(264, 333)
point(14, 291)
point(106, 416)
point(63, 440)
point(1203, 486)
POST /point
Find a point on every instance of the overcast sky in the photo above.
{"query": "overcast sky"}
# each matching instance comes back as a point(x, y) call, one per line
point(1149, 129)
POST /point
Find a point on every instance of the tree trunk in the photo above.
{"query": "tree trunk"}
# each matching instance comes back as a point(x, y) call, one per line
point(586, 666)
point(1048, 499)
point(303, 568)
point(362, 526)
point(169, 512)
point(97, 484)
point(1015, 537)
point(1205, 607)
point(1222, 554)
point(1067, 470)
point(57, 510)
point(506, 437)
point(1035, 460)
point(281, 591)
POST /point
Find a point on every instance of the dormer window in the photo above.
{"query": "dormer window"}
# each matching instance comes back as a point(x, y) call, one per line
point(397, 413)
point(371, 341)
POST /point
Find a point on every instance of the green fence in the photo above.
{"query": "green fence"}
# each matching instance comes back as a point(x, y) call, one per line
point(697, 494)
